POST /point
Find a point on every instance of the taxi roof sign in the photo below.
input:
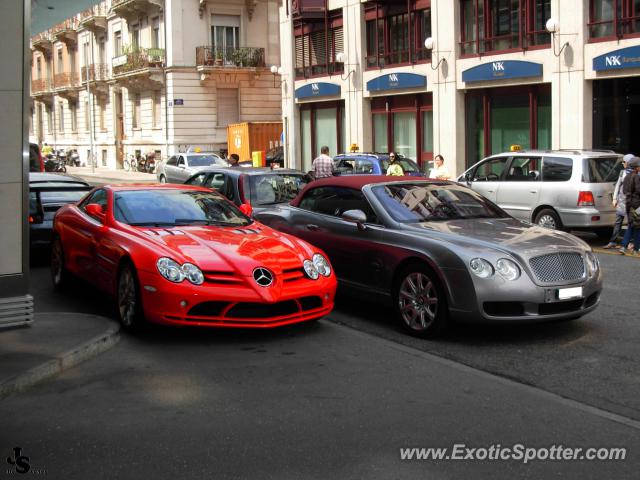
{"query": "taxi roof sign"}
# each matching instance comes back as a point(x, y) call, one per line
point(354, 147)
point(515, 148)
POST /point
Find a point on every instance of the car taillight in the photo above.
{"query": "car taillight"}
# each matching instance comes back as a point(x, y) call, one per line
point(241, 188)
point(585, 199)
point(41, 161)
point(31, 219)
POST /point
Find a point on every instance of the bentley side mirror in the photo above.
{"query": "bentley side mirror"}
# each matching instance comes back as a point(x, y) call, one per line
point(356, 216)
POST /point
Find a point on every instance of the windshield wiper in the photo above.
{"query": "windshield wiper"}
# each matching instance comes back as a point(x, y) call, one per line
point(202, 221)
point(152, 224)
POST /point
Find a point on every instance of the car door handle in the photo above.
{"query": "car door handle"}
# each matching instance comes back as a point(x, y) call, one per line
point(312, 227)
point(489, 191)
point(533, 191)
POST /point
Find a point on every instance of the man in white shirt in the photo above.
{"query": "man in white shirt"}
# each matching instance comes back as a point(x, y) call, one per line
point(439, 171)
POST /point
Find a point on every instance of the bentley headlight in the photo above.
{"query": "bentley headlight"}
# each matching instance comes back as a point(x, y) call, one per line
point(322, 265)
point(193, 273)
point(311, 270)
point(508, 269)
point(481, 267)
point(170, 270)
point(592, 263)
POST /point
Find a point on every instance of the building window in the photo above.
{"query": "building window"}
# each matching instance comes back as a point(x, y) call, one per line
point(39, 68)
point(497, 118)
point(499, 25)
point(61, 117)
point(59, 61)
point(316, 47)
point(102, 107)
point(117, 43)
point(134, 35)
point(87, 116)
point(135, 111)
point(396, 33)
point(404, 124)
point(49, 119)
point(73, 110)
point(104, 157)
point(613, 18)
point(321, 124)
point(155, 32)
point(227, 102)
point(157, 98)
point(225, 36)
point(101, 49)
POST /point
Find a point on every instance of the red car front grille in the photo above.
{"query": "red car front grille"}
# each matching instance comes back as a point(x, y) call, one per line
point(292, 274)
point(250, 310)
point(226, 278)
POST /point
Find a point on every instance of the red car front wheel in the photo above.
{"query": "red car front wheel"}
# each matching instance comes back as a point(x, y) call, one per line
point(129, 306)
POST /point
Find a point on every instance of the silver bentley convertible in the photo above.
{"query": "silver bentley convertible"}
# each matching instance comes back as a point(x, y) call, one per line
point(439, 251)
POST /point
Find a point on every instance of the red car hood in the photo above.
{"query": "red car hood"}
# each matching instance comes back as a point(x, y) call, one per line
point(228, 249)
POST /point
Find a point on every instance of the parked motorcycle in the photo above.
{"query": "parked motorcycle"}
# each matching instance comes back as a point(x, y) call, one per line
point(55, 163)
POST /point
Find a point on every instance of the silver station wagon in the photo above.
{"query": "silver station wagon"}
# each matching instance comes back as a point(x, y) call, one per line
point(559, 189)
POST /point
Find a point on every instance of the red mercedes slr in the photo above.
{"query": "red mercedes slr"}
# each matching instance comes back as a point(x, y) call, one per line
point(182, 255)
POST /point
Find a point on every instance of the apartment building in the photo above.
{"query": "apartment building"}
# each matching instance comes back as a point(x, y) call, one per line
point(538, 73)
point(129, 76)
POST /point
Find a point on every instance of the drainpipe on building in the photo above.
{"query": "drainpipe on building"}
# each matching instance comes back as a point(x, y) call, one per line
point(166, 95)
point(90, 110)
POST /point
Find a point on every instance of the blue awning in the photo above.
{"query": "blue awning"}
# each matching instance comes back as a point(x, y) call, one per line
point(396, 81)
point(318, 89)
point(502, 69)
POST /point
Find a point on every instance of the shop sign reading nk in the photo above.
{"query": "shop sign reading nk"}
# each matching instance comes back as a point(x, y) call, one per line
point(317, 89)
point(618, 59)
point(502, 69)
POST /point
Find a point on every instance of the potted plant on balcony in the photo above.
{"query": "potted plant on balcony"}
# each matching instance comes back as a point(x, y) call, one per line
point(218, 57)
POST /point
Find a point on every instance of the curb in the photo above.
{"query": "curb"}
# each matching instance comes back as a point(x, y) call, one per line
point(62, 362)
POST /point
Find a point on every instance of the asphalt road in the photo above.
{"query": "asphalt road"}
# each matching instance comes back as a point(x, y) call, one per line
point(327, 401)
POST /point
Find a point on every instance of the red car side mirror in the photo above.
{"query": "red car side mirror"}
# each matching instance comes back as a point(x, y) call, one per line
point(95, 210)
point(246, 209)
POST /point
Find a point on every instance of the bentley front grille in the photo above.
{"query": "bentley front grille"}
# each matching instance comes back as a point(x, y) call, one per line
point(558, 267)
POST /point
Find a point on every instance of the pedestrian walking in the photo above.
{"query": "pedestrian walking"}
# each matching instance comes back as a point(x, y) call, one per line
point(323, 165)
point(234, 160)
point(619, 202)
point(394, 169)
point(631, 186)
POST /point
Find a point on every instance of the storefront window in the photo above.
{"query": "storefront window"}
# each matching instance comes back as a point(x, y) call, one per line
point(616, 108)
point(427, 131)
point(497, 118)
point(305, 139)
point(509, 122)
point(404, 134)
point(325, 129)
point(380, 133)
point(495, 25)
point(321, 124)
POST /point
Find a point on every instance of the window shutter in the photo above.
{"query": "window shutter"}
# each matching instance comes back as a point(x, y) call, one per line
point(300, 51)
point(318, 48)
point(338, 41)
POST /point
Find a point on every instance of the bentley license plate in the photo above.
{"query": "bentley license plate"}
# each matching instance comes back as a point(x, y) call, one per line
point(566, 293)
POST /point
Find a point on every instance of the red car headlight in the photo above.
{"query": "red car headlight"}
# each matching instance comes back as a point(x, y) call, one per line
point(322, 265)
point(176, 273)
point(310, 269)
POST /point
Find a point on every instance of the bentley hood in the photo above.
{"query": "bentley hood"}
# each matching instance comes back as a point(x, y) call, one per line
point(506, 234)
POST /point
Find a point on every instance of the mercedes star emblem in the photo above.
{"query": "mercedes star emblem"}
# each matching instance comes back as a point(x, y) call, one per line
point(263, 277)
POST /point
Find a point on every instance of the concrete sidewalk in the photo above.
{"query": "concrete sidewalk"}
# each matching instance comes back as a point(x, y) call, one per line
point(105, 175)
point(53, 343)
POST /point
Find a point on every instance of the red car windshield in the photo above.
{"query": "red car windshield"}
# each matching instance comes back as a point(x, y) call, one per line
point(162, 208)
point(414, 203)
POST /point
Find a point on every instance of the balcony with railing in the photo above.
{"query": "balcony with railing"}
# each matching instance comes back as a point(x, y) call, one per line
point(66, 32)
point(308, 8)
point(140, 60)
point(94, 18)
point(66, 84)
point(96, 72)
point(128, 8)
point(42, 42)
point(40, 86)
point(211, 57)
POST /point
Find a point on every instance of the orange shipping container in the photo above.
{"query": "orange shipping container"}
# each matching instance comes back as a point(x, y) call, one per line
point(247, 137)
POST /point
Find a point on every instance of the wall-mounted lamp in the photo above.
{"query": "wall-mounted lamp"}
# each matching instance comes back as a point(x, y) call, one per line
point(553, 28)
point(276, 70)
point(341, 57)
point(429, 44)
